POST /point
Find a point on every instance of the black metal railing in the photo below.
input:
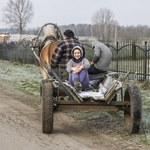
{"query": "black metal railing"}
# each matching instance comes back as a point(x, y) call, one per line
point(132, 57)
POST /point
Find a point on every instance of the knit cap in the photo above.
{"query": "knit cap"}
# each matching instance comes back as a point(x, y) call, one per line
point(69, 33)
point(79, 48)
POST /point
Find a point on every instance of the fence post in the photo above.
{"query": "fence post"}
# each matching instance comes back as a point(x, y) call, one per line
point(145, 61)
point(117, 55)
point(133, 51)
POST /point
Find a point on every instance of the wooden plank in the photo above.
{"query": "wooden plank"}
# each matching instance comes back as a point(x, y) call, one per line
point(94, 103)
point(86, 108)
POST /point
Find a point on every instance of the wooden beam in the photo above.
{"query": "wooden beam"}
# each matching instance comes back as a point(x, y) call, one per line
point(92, 106)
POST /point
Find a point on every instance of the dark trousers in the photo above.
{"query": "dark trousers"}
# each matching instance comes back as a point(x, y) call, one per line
point(93, 70)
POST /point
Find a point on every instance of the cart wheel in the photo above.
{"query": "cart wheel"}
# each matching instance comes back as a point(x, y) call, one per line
point(133, 114)
point(47, 106)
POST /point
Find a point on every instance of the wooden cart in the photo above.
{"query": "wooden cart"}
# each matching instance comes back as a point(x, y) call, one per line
point(130, 103)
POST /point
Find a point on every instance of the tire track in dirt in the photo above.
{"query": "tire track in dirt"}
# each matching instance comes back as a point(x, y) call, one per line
point(20, 128)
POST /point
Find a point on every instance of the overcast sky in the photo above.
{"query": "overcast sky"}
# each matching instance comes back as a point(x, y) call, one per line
point(64, 12)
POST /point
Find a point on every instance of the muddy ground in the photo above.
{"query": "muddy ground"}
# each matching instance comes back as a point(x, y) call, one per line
point(20, 128)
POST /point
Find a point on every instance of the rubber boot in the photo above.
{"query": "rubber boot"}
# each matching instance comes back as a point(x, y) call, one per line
point(77, 85)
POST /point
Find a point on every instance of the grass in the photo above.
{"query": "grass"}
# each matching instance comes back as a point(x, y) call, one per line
point(130, 65)
point(23, 79)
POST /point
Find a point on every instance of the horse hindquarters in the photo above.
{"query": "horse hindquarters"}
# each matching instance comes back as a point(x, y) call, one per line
point(45, 57)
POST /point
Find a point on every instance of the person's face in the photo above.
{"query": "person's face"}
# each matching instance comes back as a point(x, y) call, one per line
point(77, 54)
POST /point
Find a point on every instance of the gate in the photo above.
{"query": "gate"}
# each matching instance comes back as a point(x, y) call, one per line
point(133, 58)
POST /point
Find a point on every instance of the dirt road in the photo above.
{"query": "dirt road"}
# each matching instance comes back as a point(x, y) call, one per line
point(20, 129)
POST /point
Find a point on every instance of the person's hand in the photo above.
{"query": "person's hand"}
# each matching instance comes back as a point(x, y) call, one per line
point(73, 69)
point(81, 67)
point(77, 68)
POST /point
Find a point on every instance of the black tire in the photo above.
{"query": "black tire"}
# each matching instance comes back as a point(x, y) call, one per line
point(133, 113)
point(47, 106)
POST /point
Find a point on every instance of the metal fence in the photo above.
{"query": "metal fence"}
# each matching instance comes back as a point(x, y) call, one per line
point(16, 51)
point(132, 57)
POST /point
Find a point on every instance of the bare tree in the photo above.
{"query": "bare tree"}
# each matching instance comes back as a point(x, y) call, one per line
point(114, 31)
point(18, 13)
point(102, 24)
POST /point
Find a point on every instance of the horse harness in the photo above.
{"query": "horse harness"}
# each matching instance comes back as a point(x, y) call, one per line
point(48, 38)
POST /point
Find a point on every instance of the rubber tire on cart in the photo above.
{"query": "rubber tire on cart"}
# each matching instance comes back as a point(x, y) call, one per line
point(133, 113)
point(47, 106)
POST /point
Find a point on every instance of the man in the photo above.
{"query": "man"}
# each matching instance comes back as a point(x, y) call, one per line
point(62, 53)
point(101, 58)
